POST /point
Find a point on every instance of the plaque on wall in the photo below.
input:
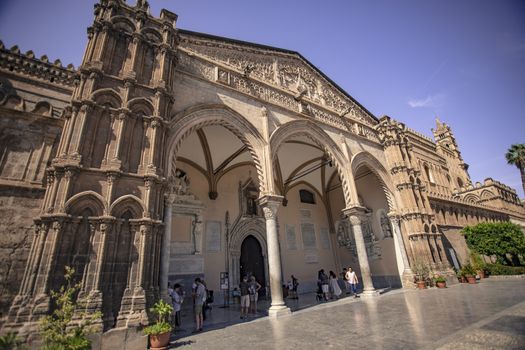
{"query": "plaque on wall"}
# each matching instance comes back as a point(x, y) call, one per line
point(311, 258)
point(308, 233)
point(291, 239)
point(325, 238)
point(213, 236)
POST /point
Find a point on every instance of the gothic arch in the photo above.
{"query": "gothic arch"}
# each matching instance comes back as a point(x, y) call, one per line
point(123, 23)
point(125, 203)
point(152, 35)
point(107, 96)
point(319, 137)
point(193, 118)
point(255, 227)
point(86, 199)
point(140, 105)
point(368, 160)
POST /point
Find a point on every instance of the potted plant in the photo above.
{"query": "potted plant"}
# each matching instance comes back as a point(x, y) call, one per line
point(159, 332)
point(469, 273)
point(421, 271)
point(478, 264)
point(440, 281)
point(461, 277)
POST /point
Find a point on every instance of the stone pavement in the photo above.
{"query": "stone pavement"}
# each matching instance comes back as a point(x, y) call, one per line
point(489, 315)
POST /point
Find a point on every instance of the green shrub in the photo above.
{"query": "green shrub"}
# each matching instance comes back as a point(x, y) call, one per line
point(439, 279)
point(10, 341)
point(163, 311)
point(497, 269)
point(468, 270)
point(58, 330)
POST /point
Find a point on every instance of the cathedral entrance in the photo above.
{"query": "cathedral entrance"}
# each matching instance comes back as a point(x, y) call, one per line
point(252, 261)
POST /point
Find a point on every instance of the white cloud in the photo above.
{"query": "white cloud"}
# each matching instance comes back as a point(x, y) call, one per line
point(429, 101)
point(421, 102)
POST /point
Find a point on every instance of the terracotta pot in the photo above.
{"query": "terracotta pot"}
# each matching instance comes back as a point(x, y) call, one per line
point(421, 284)
point(481, 274)
point(462, 279)
point(441, 284)
point(159, 341)
point(471, 279)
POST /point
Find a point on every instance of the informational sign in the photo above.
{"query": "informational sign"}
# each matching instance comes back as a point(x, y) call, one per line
point(224, 281)
point(291, 239)
point(308, 233)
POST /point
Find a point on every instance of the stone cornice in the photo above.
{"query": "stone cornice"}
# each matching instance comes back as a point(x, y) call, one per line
point(27, 64)
point(269, 67)
point(203, 68)
point(464, 203)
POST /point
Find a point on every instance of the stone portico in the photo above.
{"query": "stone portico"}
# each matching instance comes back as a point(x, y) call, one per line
point(167, 149)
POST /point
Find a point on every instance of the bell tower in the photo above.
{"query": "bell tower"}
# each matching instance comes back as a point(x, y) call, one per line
point(447, 147)
point(103, 205)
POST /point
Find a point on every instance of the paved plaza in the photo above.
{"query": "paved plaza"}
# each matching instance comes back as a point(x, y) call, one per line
point(489, 315)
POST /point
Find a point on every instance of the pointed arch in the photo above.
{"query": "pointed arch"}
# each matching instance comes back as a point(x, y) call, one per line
point(314, 133)
point(107, 97)
point(196, 117)
point(140, 105)
point(366, 159)
point(87, 199)
point(125, 203)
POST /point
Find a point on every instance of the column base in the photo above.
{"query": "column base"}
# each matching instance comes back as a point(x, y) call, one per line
point(369, 293)
point(279, 311)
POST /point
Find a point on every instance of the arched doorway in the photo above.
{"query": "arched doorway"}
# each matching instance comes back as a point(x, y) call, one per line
point(252, 261)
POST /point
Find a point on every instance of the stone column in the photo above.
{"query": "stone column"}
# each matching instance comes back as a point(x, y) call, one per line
point(394, 220)
point(165, 250)
point(270, 205)
point(355, 216)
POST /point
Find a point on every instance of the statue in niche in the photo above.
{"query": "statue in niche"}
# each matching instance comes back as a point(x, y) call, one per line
point(385, 226)
point(180, 184)
point(197, 236)
point(251, 206)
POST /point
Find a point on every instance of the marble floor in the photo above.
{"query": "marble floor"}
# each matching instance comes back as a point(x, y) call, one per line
point(489, 315)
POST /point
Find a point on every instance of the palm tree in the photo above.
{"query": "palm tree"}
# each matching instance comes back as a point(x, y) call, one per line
point(516, 156)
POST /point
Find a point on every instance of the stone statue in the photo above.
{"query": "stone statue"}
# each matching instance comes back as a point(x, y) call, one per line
point(385, 226)
point(197, 236)
point(179, 184)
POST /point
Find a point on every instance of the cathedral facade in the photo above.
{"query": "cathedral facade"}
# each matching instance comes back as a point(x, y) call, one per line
point(169, 155)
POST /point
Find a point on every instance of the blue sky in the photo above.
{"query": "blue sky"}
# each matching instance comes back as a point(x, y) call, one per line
point(463, 61)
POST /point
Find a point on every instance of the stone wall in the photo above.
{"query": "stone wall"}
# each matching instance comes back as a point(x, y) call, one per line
point(18, 207)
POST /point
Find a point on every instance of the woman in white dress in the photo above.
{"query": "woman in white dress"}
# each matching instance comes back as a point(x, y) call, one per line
point(334, 285)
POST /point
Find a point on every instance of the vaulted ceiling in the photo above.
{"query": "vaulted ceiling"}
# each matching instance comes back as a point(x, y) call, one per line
point(214, 150)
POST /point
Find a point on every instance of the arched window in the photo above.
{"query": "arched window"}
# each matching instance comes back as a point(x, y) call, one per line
point(460, 182)
point(307, 196)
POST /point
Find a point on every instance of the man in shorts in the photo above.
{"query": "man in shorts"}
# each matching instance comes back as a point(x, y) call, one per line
point(200, 297)
point(245, 297)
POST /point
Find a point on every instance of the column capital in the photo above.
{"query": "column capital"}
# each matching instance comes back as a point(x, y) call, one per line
point(270, 204)
point(355, 213)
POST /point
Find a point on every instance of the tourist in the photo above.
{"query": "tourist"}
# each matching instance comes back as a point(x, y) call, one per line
point(345, 280)
point(295, 284)
point(245, 297)
point(353, 281)
point(176, 300)
point(334, 285)
point(199, 298)
point(324, 284)
point(254, 294)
